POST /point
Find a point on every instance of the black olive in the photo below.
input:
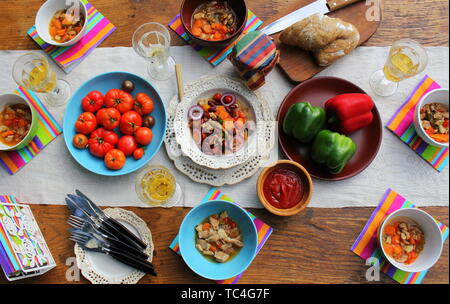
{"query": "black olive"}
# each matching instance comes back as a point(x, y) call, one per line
point(128, 86)
point(149, 121)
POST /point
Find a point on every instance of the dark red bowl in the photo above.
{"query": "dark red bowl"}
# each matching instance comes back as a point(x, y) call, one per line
point(189, 6)
point(317, 91)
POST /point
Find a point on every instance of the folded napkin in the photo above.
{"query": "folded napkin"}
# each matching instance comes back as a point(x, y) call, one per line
point(48, 129)
point(402, 125)
point(98, 28)
point(213, 55)
point(366, 245)
point(264, 230)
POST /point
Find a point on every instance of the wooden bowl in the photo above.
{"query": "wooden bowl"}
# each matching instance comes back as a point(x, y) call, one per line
point(189, 6)
point(307, 187)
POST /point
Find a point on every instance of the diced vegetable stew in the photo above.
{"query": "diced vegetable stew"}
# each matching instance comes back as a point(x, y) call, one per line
point(218, 237)
point(64, 27)
point(403, 240)
point(434, 120)
point(15, 122)
point(214, 20)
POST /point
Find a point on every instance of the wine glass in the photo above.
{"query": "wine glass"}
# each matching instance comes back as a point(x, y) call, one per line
point(155, 185)
point(407, 58)
point(33, 72)
point(152, 41)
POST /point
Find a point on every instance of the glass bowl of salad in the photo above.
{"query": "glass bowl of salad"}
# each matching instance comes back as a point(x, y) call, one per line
point(18, 122)
point(60, 24)
point(431, 118)
point(214, 23)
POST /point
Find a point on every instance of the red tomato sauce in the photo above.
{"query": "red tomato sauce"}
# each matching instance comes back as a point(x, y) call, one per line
point(283, 188)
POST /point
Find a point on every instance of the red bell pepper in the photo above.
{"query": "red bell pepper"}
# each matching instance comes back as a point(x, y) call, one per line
point(349, 112)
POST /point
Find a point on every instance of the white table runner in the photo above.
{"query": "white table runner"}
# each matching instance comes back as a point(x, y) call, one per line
point(53, 173)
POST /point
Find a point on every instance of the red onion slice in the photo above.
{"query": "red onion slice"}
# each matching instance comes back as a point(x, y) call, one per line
point(196, 112)
point(232, 102)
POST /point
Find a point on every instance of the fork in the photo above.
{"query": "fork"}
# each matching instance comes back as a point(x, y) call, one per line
point(96, 245)
point(87, 226)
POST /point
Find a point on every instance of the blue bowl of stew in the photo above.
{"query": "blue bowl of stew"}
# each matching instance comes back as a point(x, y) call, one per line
point(206, 266)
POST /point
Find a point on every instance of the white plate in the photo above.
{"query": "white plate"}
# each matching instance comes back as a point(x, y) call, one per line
point(100, 268)
point(256, 143)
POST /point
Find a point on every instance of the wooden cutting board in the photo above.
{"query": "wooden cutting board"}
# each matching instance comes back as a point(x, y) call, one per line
point(299, 65)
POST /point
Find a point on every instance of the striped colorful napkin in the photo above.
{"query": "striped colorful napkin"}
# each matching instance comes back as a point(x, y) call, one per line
point(69, 57)
point(48, 129)
point(264, 230)
point(213, 55)
point(366, 245)
point(402, 124)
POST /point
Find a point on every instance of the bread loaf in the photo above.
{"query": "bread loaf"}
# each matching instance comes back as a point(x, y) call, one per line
point(328, 38)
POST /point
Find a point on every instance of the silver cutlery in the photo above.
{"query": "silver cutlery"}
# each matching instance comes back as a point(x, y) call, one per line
point(91, 243)
point(110, 221)
point(82, 204)
point(94, 229)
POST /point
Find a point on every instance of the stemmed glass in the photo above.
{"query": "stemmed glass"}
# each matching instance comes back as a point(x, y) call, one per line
point(33, 72)
point(407, 58)
point(152, 42)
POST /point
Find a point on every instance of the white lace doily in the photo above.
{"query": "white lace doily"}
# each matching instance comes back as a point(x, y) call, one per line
point(257, 140)
point(90, 272)
point(213, 177)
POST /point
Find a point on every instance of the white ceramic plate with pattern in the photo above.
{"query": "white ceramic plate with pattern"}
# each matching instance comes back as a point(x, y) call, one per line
point(100, 268)
point(257, 107)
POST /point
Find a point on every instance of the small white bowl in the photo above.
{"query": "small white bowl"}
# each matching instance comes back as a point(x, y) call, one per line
point(433, 239)
point(45, 15)
point(439, 95)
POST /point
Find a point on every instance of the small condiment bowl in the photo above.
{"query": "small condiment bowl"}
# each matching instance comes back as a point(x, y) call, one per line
point(188, 8)
point(45, 15)
point(10, 99)
point(306, 181)
point(433, 239)
point(438, 95)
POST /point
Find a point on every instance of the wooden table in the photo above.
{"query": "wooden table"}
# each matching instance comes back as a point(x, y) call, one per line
point(312, 247)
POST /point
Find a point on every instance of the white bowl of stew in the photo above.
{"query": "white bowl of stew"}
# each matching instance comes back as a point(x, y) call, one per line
point(434, 101)
point(422, 228)
point(18, 122)
point(65, 33)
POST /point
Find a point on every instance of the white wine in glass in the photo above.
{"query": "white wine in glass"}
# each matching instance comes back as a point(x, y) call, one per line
point(407, 58)
point(152, 42)
point(33, 72)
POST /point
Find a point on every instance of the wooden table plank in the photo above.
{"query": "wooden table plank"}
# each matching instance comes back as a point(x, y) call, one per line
point(311, 247)
point(423, 20)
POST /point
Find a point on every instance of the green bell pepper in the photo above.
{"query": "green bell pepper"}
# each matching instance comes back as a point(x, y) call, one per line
point(332, 150)
point(303, 121)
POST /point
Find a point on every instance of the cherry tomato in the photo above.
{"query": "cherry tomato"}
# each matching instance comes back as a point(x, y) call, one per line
point(80, 141)
point(138, 153)
point(92, 102)
point(217, 97)
point(228, 99)
point(86, 123)
point(127, 144)
point(115, 159)
point(143, 136)
point(143, 104)
point(102, 141)
point(130, 122)
point(119, 99)
point(109, 118)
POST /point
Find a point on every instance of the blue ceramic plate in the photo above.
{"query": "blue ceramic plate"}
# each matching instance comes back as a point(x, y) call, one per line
point(210, 269)
point(104, 83)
